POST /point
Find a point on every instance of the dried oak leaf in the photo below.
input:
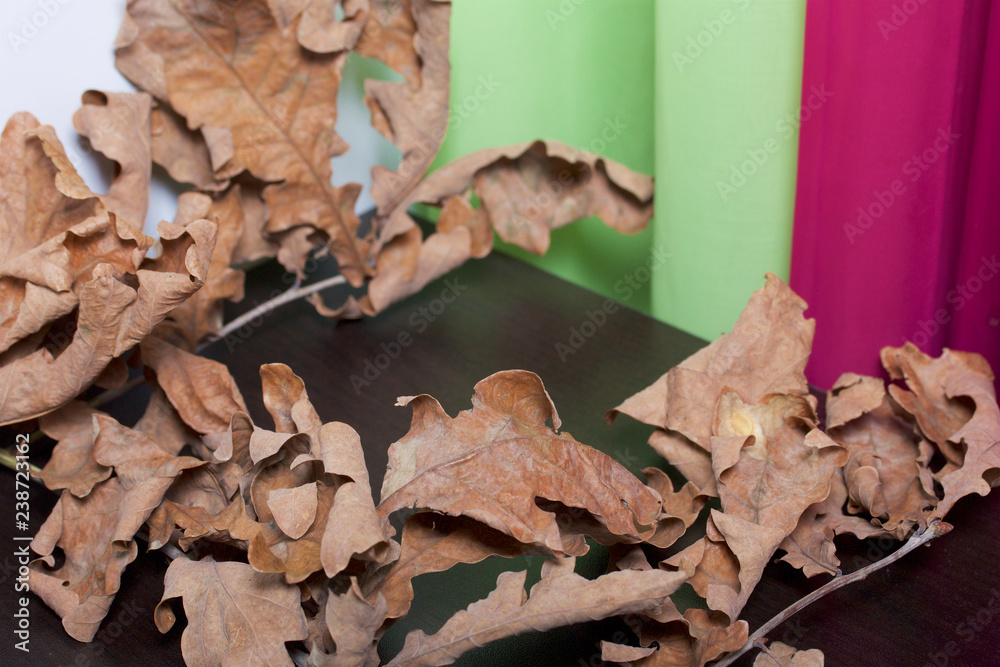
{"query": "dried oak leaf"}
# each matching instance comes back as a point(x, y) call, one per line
point(691, 640)
point(118, 126)
point(200, 317)
point(496, 462)
point(783, 655)
point(954, 402)
point(181, 151)
point(320, 30)
point(560, 598)
point(352, 623)
point(202, 390)
point(71, 465)
point(887, 474)
point(771, 464)
point(434, 542)
point(557, 185)
point(143, 468)
point(264, 105)
point(411, 37)
point(236, 616)
point(88, 532)
point(765, 353)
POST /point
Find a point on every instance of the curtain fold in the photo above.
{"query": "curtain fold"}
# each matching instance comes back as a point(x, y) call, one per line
point(895, 230)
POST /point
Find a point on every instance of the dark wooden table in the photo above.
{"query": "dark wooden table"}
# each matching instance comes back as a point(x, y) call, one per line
point(938, 606)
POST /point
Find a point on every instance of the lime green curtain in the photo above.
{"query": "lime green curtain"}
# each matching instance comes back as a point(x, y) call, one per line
point(682, 89)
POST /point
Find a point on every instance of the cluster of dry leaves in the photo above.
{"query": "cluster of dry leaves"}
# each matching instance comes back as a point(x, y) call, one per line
point(286, 545)
point(284, 542)
point(240, 106)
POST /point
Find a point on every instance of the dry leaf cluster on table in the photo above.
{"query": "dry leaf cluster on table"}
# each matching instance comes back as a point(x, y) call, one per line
point(284, 543)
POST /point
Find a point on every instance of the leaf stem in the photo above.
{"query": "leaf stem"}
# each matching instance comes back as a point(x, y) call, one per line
point(8, 460)
point(935, 529)
point(291, 294)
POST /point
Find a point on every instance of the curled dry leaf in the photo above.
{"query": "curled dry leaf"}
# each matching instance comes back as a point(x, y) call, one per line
point(887, 475)
point(492, 464)
point(263, 103)
point(118, 126)
point(235, 615)
point(954, 402)
point(202, 390)
point(560, 598)
point(67, 260)
point(72, 465)
point(691, 640)
point(766, 353)
point(200, 317)
point(434, 543)
point(526, 191)
point(783, 655)
point(352, 623)
point(411, 37)
point(88, 532)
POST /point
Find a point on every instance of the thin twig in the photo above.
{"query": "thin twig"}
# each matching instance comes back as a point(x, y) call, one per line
point(936, 529)
point(291, 294)
point(8, 460)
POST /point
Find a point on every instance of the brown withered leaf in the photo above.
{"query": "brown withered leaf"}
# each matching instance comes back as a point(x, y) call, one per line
point(235, 615)
point(411, 37)
point(770, 462)
point(144, 470)
point(353, 530)
point(783, 655)
point(941, 393)
point(118, 126)
point(262, 103)
point(81, 591)
point(771, 465)
point(680, 508)
point(202, 390)
point(493, 462)
point(200, 317)
point(434, 542)
point(560, 598)
point(320, 30)
point(294, 509)
point(765, 353)
point(287, 402)
point(558, 184)
point(692, 640)
point(83, 262)
point(182, 152)
point(352, 623)
point(623, 653)
point(887, 474)
point(72, 465)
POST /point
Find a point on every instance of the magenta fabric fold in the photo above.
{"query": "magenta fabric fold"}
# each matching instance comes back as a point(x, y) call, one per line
point(897, 230)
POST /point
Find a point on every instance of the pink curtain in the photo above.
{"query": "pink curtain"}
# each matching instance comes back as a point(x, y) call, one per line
point(897, 216)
